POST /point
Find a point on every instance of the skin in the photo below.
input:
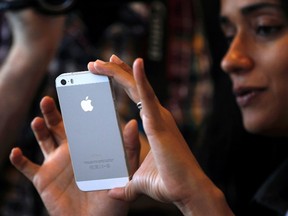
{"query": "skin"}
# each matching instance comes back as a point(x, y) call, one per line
point(23, 70)
point(256, 62)
point(159, 175)
point(54, 179)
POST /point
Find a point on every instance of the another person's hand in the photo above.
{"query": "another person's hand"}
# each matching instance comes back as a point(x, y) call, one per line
point(54, 179)
point(35, 33)
point(170, 172)
point(36, 38)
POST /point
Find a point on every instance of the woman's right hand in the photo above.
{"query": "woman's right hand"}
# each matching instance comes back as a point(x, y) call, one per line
point(54, 179)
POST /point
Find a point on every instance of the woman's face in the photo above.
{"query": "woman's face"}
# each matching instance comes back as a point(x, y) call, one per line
point(257, 62)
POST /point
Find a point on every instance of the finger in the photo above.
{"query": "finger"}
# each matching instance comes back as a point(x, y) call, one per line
point(53, 119)
point(24, 165)
point(132, 145)
point(117, 73)
point(134, 187)
point(146, 93)
point(43, 136)
point(121, 193)
point(160, 127)
point(132, 148)
point(115, 59)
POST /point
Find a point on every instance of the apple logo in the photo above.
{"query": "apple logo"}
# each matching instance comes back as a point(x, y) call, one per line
point(86, 104)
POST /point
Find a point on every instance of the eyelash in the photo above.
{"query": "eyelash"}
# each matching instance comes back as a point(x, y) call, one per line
point(267, 30)
point(261, 30)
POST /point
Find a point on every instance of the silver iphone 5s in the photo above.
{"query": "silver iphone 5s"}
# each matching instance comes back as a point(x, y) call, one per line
point(92, 129)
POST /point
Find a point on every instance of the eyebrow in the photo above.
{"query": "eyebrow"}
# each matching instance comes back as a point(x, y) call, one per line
point(250, 9)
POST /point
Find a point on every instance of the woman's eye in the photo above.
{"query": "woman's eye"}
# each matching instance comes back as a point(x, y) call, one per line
point(268, 30)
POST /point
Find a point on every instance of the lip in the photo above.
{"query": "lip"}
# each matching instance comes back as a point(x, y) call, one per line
point(245, 96)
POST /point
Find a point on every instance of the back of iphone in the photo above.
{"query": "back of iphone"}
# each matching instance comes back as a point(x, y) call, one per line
point(92, 128)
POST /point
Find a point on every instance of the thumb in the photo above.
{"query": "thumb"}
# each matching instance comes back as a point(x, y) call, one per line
point(132, 145)
point(132, 148)
point(24, 165)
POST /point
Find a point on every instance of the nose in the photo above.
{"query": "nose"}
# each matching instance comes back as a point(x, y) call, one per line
point(237, 59)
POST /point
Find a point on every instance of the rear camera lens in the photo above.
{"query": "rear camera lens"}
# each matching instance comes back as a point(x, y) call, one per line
point(63, 82)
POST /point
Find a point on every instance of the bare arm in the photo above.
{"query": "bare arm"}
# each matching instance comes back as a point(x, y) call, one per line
point(35, 41)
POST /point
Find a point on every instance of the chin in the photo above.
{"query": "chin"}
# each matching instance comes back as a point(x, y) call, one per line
point(265, 129)
point(264, 123)
point(253, 129)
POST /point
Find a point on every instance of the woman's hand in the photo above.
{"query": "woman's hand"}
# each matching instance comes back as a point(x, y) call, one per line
point(54, 179)
point(170, 172)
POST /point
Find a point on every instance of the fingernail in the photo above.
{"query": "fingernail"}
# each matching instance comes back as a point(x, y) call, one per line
point(116, 59)
point(100, 61)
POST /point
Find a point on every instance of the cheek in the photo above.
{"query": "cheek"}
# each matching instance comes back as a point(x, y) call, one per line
point(278, 73)
point(275, 69)
point(273, 55)
point(270, 115)
point(279, 88)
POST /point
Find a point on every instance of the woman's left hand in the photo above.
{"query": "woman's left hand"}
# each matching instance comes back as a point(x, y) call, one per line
point(170, 172)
